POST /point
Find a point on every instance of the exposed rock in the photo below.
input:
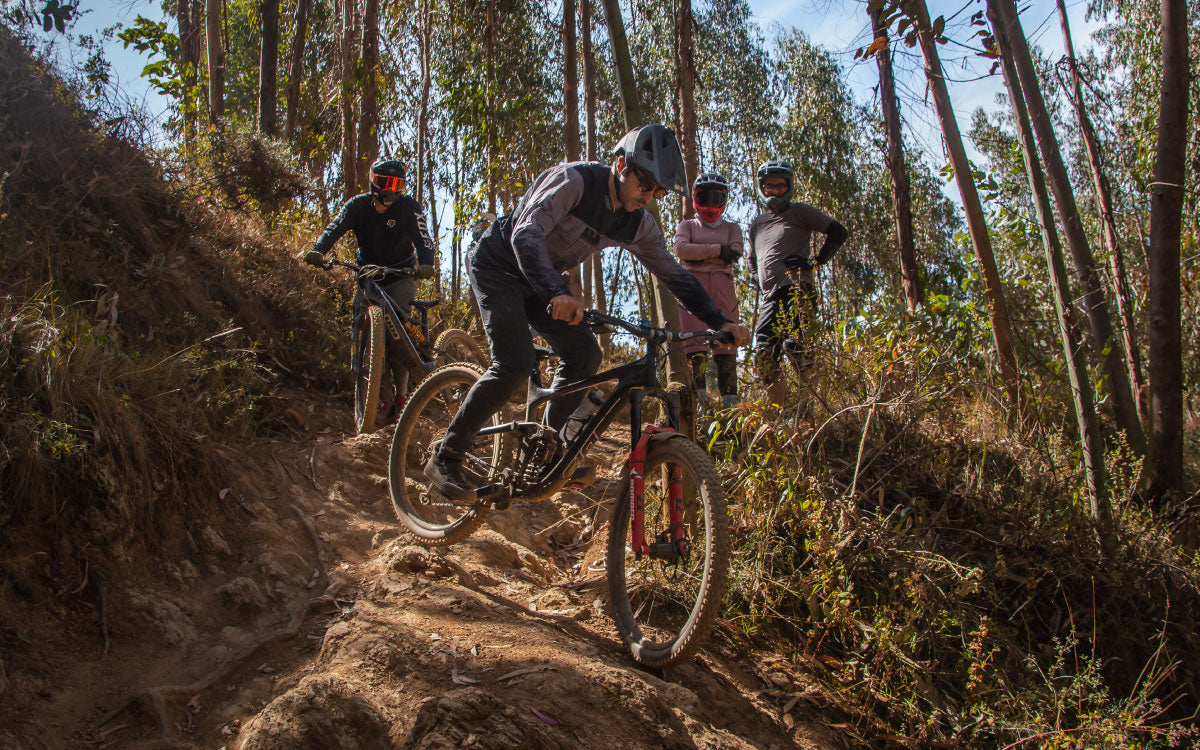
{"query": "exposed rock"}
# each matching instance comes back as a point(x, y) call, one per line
point(318, 714)
point(244, 592)
point(472, 717)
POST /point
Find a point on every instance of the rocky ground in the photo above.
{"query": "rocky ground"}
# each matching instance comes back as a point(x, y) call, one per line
point(307, 619)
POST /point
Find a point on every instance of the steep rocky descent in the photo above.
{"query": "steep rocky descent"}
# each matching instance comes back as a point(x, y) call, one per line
point(306, 619)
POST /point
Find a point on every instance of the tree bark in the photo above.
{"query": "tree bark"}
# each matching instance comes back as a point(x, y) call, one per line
point(216, 62)
point(489, 43)
point(368, 119)
point(423, 113)
point(1088, 423)
point(296, 68)
point(595, 262)
point(1166, 206)
point(349, 172)
point(977, 226)
point(910, 274)
point(1103, 337)
point(1116, 260)
point(677, 369)
point(571, 120)
point(268, 68)
point(685, 87)
point(189, 63)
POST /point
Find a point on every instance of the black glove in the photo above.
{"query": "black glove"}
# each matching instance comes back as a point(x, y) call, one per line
point(797, 263)
point(425, 272)
point(313, 258)
point(729, 255)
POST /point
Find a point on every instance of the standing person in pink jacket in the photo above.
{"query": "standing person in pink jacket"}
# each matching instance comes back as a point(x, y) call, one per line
point(709, 247)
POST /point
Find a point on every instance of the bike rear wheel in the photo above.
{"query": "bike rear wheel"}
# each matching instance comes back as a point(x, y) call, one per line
point(664, 609)
point(370, 371)
point(456, 345)
point(433, 518)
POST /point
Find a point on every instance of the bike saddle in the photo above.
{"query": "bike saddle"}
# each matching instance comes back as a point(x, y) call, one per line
point(425, 304)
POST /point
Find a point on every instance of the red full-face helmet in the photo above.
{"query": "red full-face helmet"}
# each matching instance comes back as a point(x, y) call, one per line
point(709, 195)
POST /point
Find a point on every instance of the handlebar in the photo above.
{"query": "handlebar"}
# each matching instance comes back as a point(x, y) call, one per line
point(372, 271)
point(602, 322)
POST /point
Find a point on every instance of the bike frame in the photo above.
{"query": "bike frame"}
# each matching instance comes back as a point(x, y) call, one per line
point(635, 380)
point(369, 292)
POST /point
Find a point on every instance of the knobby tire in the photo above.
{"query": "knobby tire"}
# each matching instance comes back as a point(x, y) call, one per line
point(370, 374)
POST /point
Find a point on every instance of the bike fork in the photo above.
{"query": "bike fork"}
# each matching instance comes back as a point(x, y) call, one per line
point(671, 545)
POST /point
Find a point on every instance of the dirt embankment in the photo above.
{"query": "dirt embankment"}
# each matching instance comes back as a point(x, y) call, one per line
point(306, 619)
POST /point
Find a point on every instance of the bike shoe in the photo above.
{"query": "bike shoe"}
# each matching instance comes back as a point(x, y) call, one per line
point(446, 477)
point(385, 414)
point(583, 476)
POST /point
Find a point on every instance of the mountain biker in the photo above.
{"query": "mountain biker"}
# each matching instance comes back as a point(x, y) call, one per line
point(391, 232)
point(571, 211)
point(709, 247)
point(781, 268)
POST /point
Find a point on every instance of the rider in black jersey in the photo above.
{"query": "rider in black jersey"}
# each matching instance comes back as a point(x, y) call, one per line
point(391, 232)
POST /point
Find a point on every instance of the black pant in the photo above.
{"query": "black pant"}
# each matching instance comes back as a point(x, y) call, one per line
point(785, 326)
point(509, 308)
point(726, 372)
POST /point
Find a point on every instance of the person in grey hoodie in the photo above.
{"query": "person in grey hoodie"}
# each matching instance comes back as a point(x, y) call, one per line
point(782, 269)
point(709, 247)
point(571, 211)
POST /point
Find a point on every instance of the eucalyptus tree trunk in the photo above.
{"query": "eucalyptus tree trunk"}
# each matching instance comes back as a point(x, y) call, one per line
point(685, 88)
point(910, 274)
point(489, 45)
point(1116, 260)
point(368, 118)
point(1088, 423)
point(426, 82)
point(571, 120)
point(1166, 351)
point(189, 64)
point(677, 369)
point(977, 226)
point(1103, 337)
point(349, 173)
point(595, 261)
point(268, 68)
point(216, 62)
point(296, 66)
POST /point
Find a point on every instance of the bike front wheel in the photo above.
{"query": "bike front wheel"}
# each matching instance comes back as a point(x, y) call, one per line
point(370, 370)
point(666, 602)
point(456, 345)
point(432, 517)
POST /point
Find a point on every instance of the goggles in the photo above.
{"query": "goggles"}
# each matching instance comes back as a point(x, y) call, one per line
point(711, 197)
point(388, 183)
point(646, 184)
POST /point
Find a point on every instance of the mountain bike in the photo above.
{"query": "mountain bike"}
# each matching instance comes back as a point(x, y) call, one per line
point(668, 542)
point(379, 323)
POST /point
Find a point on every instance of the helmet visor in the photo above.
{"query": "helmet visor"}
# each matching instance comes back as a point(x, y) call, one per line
point(711, 196)
point(387, 183)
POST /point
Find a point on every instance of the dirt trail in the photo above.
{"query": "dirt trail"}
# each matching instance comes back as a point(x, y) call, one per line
point(309, 620)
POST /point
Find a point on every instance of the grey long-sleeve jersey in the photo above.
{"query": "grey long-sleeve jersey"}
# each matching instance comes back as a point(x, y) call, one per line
point(566, 216)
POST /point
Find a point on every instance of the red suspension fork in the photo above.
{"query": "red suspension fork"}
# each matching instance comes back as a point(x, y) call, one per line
point(637, 495)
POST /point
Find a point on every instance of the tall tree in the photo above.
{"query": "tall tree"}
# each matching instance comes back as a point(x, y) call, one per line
point(976, 225)
point(1166, 207)
point(677, 369)
point(595, 262)
point(268, 68)
point(216, 62)
point(1090, 439)
point(1104, 206)
point(1099, 322)
point(685, 91)
point(489, 41)
point(571, 119)
point(426, 85)
point(187, 15)
point(347, 59)
point(910, 273)
point(368, 118)
point(296, 66)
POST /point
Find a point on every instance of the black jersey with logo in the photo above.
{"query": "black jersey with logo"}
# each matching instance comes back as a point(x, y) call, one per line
point(396, 237)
